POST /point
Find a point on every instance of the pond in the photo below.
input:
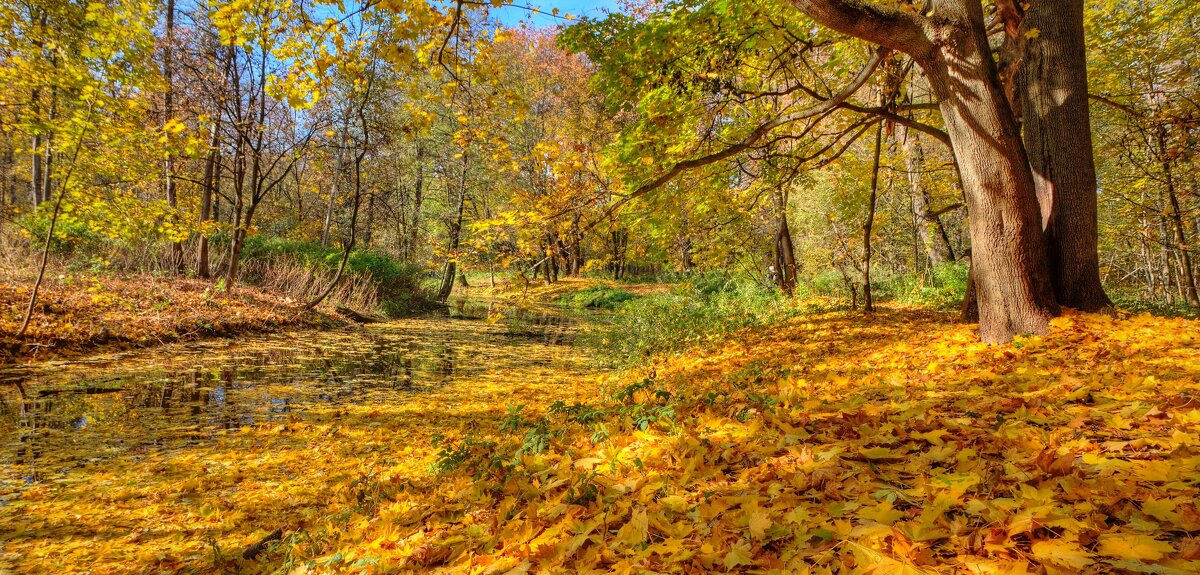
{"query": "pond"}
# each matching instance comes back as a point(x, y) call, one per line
point(60, 416)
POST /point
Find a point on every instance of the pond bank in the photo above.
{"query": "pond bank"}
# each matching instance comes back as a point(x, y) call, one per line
point(84, 314)
point(179, 458)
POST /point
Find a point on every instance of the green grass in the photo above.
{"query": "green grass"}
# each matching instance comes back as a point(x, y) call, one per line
point(596, 297)
point(707, 307)
point(1136, 304)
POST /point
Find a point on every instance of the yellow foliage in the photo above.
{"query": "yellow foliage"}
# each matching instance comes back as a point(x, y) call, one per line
point(821, 445)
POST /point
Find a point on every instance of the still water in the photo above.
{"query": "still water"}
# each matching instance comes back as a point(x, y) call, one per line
point(57, 416)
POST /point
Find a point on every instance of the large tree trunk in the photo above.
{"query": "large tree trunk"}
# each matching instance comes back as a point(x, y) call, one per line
point(1009, 259)
point(1011, 269)
point(1052, 87)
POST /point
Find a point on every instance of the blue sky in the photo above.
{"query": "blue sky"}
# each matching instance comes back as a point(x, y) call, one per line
point(511, 15)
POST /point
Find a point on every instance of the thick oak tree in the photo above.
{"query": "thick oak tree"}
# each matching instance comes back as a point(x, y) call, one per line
point(1017, 270)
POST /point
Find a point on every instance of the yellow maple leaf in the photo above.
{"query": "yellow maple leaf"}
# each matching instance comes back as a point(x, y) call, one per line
point(674, 503)
point(1062, 552)
point(1131, 546)
point(760, 521)
point(738, 556)
point(635, 531)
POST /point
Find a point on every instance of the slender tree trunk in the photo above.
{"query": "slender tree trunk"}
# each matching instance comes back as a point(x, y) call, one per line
point(48, 150)
point(349, 246)
point(368, 228)
point(785, 254)
point(1187, 276)
point(337, 175)
point(414, 230)
point(869, 225)
point(1052, 83)
point(8, 192)
point(1164, 258)
point(447, 285)
point(212, 179)
point(168, 114)
point(35, 157)
point(930, 231)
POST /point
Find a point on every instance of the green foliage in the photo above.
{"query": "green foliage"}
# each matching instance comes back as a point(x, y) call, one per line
point(1136, 302)
point(71, 237)
point(709, 306)
point(942, 287)
point(596, 297)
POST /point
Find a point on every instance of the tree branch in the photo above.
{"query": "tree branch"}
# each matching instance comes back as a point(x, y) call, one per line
point(895, 29)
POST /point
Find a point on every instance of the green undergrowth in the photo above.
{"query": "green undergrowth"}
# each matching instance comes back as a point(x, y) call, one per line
point(596, 297)
point(706, 308)
point(397, 286)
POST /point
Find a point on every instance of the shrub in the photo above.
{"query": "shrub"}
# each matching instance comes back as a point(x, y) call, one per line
point(395, 287)
point(1134, 302)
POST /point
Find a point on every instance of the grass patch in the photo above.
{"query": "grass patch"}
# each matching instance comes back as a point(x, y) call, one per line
point(706, 308)
point(596, 297)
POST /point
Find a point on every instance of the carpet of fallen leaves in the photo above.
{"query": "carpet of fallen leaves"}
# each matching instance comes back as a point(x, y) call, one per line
point(84, 313)
point(831, 443)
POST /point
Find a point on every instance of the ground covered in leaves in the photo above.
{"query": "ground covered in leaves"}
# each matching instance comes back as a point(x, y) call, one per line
point(832, 443)
point(79, 314)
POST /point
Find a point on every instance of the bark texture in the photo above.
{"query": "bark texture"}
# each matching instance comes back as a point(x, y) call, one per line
point(1052, 88)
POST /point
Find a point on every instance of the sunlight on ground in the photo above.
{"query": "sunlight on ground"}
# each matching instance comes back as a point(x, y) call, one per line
point(832, 443)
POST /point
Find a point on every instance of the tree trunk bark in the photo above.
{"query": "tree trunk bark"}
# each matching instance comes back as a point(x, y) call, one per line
point(212, 179)
point(168, 113)
point(869, 224)
point(333, 188)
point(1052, 86)
point(447, 285)
point(418, 196)
point(1012, 275)
point(1187, 275)
point(951, 46)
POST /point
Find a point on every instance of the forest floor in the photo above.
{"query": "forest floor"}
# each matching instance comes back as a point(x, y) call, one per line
point(82, 314)
point(829, 443)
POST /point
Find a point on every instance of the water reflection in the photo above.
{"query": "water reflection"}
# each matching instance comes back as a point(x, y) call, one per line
point(56, 416)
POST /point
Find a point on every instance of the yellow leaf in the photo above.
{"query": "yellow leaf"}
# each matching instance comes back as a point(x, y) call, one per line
point(635, 531)
point(1130, 546)
point(738, 556)
point(760, 521)
point(674, 503)
point(877, 453)
point(883, 513)
point(1162, 510)
point(1062, 552)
